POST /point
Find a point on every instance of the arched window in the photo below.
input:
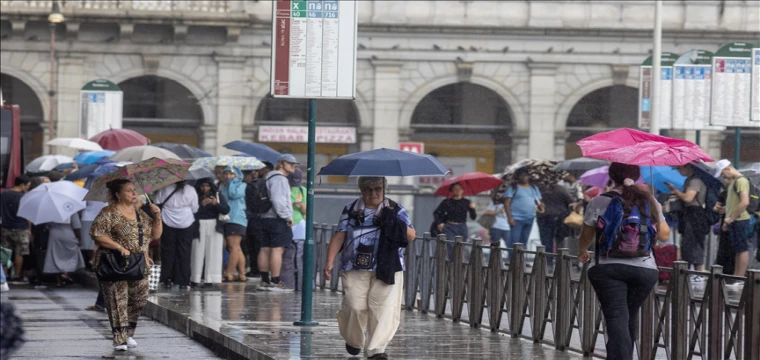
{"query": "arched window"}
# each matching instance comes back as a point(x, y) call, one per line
point(16, 92)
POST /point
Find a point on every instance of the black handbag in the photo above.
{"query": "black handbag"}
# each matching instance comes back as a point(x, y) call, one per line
point(116, 267)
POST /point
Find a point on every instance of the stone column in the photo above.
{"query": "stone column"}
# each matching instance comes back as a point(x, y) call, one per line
point(713, 143)
point(365, 138)
point(542, 110)
point(71, 78)
point(519, 146)
point(387, 104)
point(232, 95)
point(560, 140)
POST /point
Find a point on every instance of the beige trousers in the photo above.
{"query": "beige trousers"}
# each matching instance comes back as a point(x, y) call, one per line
point(371, 304)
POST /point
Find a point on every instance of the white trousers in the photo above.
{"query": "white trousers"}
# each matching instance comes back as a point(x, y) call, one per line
point(369, 303)
point(208, 247)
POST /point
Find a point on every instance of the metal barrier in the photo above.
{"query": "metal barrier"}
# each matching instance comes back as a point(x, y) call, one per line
point(674, 321)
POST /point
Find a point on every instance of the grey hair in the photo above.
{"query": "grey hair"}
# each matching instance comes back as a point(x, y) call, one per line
point(365, 181)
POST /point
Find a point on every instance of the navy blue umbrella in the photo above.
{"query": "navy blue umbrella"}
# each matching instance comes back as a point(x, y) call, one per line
point(83, 172)
point(385, 162)
point(706, 174)
point(186, 152)
point(259, 151)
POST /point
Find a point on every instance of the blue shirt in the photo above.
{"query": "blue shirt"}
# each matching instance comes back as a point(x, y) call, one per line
point(524, 200)
point(501, 222)
point(365, 235)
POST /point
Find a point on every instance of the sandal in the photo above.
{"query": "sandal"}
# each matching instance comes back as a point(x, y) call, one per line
point(228, 278)
point(242, 278)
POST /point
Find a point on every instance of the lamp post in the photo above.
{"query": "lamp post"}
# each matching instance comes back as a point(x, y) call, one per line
point(54, 19)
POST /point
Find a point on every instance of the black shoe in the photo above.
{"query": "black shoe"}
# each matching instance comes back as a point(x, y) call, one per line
point(252, 274)
point(184, 287)
point(352, 350)
point(194, 285)
point(167, 285)
point(379, 356)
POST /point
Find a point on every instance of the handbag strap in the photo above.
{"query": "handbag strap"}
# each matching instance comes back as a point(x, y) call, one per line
point(139, 227)
point(170, 196)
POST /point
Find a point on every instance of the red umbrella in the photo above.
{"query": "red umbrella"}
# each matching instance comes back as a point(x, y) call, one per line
point(118, 139)
point(635, 147)
point(473, 184)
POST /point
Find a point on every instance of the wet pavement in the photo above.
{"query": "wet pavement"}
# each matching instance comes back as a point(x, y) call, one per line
point(259, 325)
point(57, 326)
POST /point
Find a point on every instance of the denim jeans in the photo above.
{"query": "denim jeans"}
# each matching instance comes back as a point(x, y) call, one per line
point(2, 275)
point(453, 230)
point(520, 233)
point(498, 234)
point(621, 289)
point(547, 228)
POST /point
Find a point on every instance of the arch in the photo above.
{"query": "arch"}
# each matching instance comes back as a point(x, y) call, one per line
point(18, 92)
point(262, 93)
point(563, 112)
point(39, 89)
point(299, 108)
point(201, 94)
point(519, 120)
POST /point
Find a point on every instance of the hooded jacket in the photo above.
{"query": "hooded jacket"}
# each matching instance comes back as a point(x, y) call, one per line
point(234, 192)
point(210, 212)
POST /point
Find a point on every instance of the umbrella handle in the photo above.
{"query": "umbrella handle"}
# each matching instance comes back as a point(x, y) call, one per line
point(147, 198)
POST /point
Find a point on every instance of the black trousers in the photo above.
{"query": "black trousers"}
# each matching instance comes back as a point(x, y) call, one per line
point(175, 255)
point(252, 244)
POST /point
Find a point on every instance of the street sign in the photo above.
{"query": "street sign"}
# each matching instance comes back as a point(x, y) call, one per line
point(692, 82)
point(300, 134)
point(314, 49)
point(100, 107)
point(755, 113)
point(645, 91)
point(731, 88)
point(415, 147)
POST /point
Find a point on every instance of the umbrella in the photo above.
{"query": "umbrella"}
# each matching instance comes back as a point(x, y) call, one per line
point(47, 163)
point(541, 172)
point(599, 177)
point(197, 173)
point(186, 152)
point(659, 175)
point(260, 151)
point(635, 147)
point(473, 184)
point(144, 152)
point(149, 175)
point(89, 157)
point(76, 143)
point(52, 202)
point(240, 162)
point(83, 172)
point(580, 164)
point(385, 162)
point(117, 139)
point(705, 173)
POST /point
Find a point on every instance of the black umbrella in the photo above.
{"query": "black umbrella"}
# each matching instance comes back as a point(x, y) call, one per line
point(706, 174)
point(580, 164)
point(186, 152)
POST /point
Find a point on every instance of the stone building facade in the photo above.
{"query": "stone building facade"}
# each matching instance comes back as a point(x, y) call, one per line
point(481, 83)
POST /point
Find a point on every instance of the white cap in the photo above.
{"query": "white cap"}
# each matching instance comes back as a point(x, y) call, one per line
point(720, 166)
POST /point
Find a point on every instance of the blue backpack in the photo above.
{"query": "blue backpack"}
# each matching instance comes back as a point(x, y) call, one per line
point(624, 235)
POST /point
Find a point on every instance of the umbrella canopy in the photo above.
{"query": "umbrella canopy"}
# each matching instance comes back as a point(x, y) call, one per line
point(750, 169)
point(47, 163)
point(580, 164)
point(76, 143)
point(705, 173)
point(598, 177)
point(240, 162)
point(473, 184)
point(89, 157)
point(541, 172)
point(385, 162)
point(52, 202)
point(139, 153)
point(83, 172)
point(196, 173)
point(635, 147)
point(118, 139)
point(149, 175)
point(260, 151)
point(185, 152)
point(659, 175)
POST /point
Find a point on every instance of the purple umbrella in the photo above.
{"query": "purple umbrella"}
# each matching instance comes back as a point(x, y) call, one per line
point(598, 177)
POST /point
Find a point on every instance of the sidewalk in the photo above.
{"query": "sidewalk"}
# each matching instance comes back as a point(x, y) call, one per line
point(57, 326)
point(259, 325)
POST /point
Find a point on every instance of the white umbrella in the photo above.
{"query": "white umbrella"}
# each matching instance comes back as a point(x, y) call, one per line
point(196, 172)
point(136, 154)
point(47, 163)
point(52, 202)
point(76, 143)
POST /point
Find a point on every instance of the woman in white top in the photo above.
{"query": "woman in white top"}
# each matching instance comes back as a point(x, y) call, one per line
point(180, 203)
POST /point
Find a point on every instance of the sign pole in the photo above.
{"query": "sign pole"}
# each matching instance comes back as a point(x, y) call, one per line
point(737, 145)
point(699, 137)
point(654, 126)
point(307, 291)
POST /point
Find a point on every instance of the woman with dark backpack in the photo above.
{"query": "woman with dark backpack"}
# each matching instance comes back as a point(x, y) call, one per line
point(623, 271)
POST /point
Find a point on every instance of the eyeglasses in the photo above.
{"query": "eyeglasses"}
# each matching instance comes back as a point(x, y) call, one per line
point(378, 190)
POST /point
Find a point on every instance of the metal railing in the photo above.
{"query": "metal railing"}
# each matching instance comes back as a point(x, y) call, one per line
point(478, 287)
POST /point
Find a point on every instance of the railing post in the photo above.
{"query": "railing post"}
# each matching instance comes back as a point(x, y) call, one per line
point(495, 287)
point(715, 308)
point(475, 293)
point(679, 311)
point(752, 315)
point(457, 280)
point(427, 274)
point(517, 268)
point(646, 327)
point(539, 294)
point(441, 277)
point(588, 326)
point(563, 300)
point(410, 275)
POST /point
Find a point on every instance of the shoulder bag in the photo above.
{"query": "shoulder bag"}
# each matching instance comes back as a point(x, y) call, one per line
point(116, 267)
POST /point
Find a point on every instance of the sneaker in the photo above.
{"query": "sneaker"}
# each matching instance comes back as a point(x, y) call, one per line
point(280, 287)
point(352, 350)
point(379, 356)
point(736, 286)
point(122, 347)
point(4, 287)
point(264, 287)
point(131, 342)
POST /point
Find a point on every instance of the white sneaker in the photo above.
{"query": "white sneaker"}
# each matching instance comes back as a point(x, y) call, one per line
point(4, 287)
point(120, 347)
point(131, 342)
point(264, 287)
point(280, 287)
point(698, 282)
point(736, 286)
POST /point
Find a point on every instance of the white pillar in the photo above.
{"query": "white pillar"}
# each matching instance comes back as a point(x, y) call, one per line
point(233, 95)
point(542, 111)
point(387, 104)
point(71, 79)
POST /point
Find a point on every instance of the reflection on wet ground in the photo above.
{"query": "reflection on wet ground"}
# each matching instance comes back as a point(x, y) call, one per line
point(260, 325)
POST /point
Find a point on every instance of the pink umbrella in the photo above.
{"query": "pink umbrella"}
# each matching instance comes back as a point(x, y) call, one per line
point(635, 147)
